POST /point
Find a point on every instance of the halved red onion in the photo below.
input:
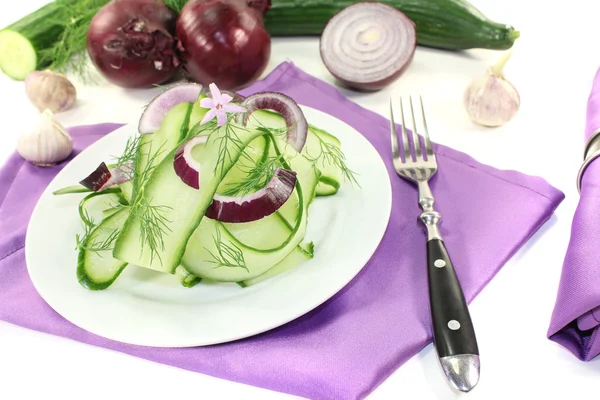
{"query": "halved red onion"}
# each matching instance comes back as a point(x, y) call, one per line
point(366, 46)
point(284, 105)
point(154, 113)
point(184, 164)
point(257, 205)
point(104, 177)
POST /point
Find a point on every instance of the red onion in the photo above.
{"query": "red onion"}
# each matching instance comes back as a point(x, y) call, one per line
point(223, 42)
point(184, 164)
point(289, 110)
point(257, 205)
point(366, 46)
point(130, 42)
point(154, 113)
point(103, 177)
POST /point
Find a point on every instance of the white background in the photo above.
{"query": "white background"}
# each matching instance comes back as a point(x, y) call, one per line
point(553, 64)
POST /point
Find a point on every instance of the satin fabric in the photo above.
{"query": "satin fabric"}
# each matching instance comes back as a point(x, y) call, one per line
point(575, 321)
point(346, 347)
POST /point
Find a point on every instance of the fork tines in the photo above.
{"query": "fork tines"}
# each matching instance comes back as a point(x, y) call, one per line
point(406, 143)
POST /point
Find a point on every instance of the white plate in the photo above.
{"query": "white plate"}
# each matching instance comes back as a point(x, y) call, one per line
point(148, 308)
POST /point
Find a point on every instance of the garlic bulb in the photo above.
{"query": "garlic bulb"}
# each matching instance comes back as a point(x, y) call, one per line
point(491, 100)
point(50, 90)
point(47, 143)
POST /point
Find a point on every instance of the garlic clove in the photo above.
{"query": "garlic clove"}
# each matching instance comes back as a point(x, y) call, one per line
point(47, 143)
point(50, 90)
point(491, 100)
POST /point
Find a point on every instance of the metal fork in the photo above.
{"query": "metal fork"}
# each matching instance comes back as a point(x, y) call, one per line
point(453, 333)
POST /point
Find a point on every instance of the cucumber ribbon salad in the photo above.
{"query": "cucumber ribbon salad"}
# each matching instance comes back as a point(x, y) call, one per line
point(214, 187)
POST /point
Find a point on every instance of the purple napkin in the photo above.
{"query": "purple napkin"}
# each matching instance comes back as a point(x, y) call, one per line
point(575, 322)
point(345, 348)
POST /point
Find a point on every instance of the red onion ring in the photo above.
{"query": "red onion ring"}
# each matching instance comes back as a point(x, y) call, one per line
point(287, 107)
point(257, 205)
point(184, 164)
point(152, 117)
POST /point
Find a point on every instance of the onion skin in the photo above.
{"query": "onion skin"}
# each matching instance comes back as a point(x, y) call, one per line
point(223, 42)
point(103, 177)
point(130, 42)
point(257, 205)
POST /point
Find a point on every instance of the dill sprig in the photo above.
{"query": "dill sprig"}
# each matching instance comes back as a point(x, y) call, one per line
point(228, 139)
point(257, 176)
point(68, 53)
point(228, 255)
point(88, 221)
point(153, 220)
point(153, 226)
point(126, 161)
point(197, 129)
point(142, 177)
point(96, 246)
point(332, 155)
point(276, 132)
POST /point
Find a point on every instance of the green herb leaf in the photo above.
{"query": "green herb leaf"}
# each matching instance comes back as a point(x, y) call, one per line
point(257, 176)
point(126, 161)
point(332, 155)
point(153, 226)
point(68, 53)
point(84, 243)
point(228, 139)
point(228, 255)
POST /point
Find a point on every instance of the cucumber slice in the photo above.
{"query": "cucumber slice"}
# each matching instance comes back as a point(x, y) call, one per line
point(155, 146)
point(327, 186)
point(92, 206)
point(110, 211)
point(18, 57)
point(331, 174)
point(214, 253)
point(126, 191)
point(257, 150)
point(187, 279)
point(269, 232)
point(97, 269)
point(71, 190)
point(298, 256)
point(156, 233)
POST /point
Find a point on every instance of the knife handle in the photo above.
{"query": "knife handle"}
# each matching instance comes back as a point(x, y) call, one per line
point(453, 330)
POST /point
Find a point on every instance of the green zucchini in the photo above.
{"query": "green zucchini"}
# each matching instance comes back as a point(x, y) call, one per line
point(47, 37)
point(445, 24)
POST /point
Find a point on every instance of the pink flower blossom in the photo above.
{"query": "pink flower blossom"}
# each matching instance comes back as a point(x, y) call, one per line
point(219, 105)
